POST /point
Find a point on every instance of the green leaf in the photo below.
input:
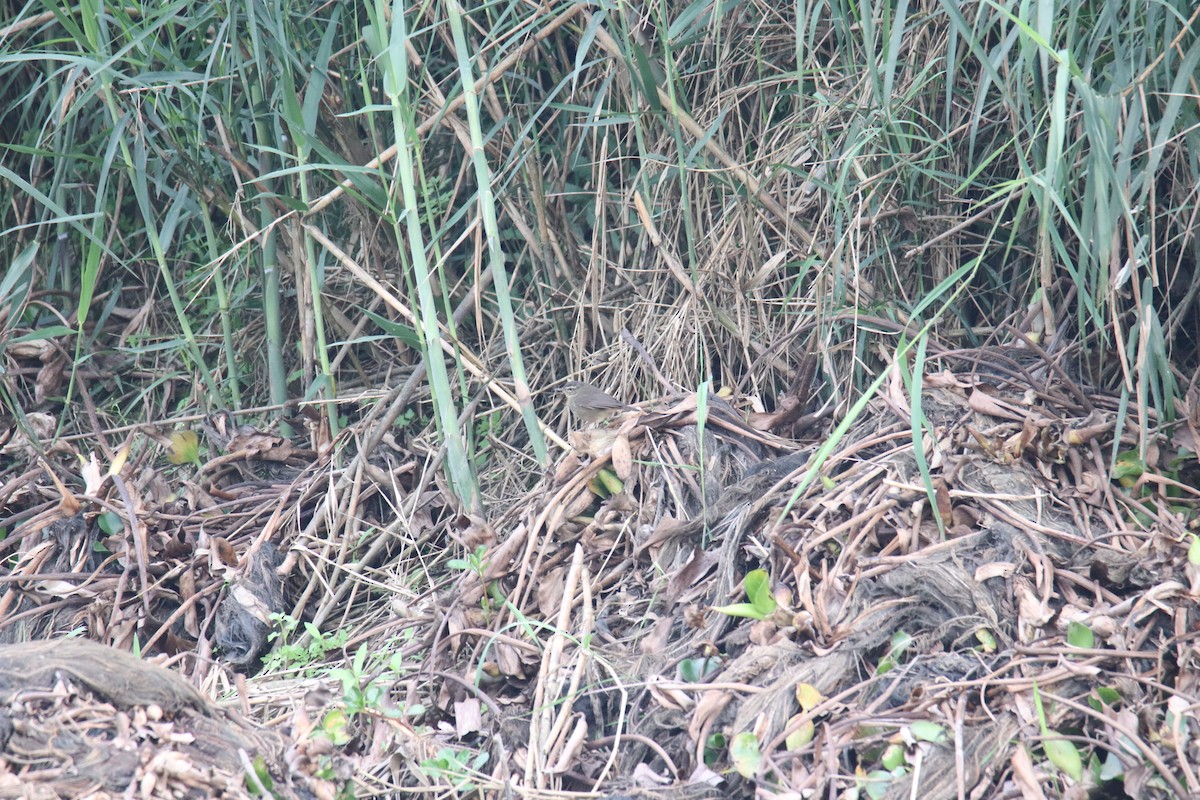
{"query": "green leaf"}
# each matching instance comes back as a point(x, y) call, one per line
point(1194, 550)
point(405, 333)
point(744, 753)
point(50, 332)
point(334, 725)
point(1112, 768)
point(808, 696)
point(611, 482)
point(927, 731)
point(739, 610)
point(111, 523)
point(17, 280)
point(184, 447)
point(713, 748)
point(1080, 635)
point(757, 584)
point(263, 774)
point(875, 783)
point(901, 641)
point(1105, 695)
point(758, 590)
point(1065, 756)
point(801, 736)
point(894, 757)
point(1059, 751)
point(693, 670)
point(1128, 469)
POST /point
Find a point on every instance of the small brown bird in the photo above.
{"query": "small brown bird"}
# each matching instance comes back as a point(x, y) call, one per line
point(591, 404)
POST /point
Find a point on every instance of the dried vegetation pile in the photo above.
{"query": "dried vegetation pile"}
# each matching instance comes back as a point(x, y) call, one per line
point(880, 620)
point(579, 647)
point(768, 589)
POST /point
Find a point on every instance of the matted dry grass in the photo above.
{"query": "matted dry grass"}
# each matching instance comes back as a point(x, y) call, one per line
point(582, 652)
point(776, 234)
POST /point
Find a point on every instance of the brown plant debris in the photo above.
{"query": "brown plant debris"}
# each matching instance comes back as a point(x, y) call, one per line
point(920, 617)
point(85, 720)
point(937, 626)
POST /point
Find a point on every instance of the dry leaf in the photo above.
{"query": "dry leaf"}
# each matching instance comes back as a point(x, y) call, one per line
point(1033, 611)
point(711, 704)
point(669, 696)
point(468, 717)
point(509, 660)
point(1025, 775)
point(569, 757)
point(261, 446)
point(944, 507)
point(655, 642)
point(567, 467)
point(622, 457)
point(646, 777)
point(550, 592)
point(983, 403)
point(92, 479)
point(996, 569)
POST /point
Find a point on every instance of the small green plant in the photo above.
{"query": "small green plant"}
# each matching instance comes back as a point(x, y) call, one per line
point(714, 746)
point(745, 753)
point(361, 695)
point(1059, 751)
point(455, 767)
point(476, 564)
point(290, 655)
point(762, 605)
point(901, 641)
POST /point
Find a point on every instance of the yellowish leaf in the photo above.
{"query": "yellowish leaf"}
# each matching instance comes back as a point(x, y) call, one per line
point(184, 448)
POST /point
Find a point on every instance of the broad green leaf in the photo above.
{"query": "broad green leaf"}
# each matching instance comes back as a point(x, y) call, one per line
point(1065, 756)
point(1103, 696)
point(1080, 635)
point(875, 783)
point(744, 753)
point(693, 670)
point(894, 757)
point(1059, 751)
point(802, 735)
point(927, 731)
point(758, 591)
